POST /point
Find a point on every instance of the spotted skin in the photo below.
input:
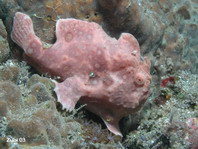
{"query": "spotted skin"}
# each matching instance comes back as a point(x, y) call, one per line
point(94, 69)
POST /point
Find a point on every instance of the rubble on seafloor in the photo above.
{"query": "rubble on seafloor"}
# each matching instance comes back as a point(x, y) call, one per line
point(165, 123)
point(167, 32)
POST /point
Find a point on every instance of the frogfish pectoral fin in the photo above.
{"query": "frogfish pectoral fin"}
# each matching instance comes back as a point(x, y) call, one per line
point(113, 127)
point(68, 92)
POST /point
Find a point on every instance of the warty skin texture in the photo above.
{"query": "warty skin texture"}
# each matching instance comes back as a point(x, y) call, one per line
point(104, 73)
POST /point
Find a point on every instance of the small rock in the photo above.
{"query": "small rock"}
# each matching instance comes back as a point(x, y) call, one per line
point(10, 93)
point(4, 47)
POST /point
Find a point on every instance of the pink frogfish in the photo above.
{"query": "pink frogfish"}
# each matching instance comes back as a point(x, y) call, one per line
point(105, 74)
